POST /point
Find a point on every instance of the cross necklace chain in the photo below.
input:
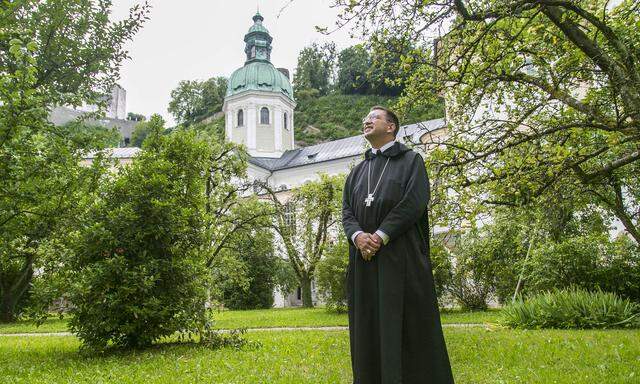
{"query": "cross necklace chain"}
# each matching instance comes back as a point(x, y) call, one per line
point(370, 194)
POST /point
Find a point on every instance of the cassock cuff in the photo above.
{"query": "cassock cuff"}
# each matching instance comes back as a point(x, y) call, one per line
point(353, 237)
point(384, 236)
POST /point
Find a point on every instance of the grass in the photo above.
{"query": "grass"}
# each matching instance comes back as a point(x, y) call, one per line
point(265, 318)
point(477, 356)
point(52, 324)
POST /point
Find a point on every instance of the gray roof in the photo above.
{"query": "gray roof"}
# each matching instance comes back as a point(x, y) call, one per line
point(116, 153)
point(332, 150)
point(341, 148)
point(64, 115)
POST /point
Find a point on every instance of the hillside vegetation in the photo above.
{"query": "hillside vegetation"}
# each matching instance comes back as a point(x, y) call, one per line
point(332, 117)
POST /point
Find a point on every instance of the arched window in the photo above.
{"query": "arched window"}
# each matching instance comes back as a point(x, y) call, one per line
point(264, 115)
point(240, 118)
point(286, 124)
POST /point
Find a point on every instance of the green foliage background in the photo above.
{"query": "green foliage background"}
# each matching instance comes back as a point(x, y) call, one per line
point(336, 116)
point(331, 275)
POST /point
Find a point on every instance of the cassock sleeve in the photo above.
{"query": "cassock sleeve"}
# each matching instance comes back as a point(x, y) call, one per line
point(349, 221)
point(413, 203)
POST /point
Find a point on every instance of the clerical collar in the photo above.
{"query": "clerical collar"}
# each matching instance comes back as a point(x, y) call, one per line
point(383, 148)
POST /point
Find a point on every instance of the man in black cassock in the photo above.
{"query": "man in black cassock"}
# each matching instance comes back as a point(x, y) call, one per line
point(394, 322)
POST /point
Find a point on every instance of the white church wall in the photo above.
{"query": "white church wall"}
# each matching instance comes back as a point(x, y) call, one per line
point(228, 125)
point(117, 107)
point(270, 140)
point(288, 133)
point(238, 133)
point(251, 125)
point(294, 177)
point(278, 124)
point(265, 133)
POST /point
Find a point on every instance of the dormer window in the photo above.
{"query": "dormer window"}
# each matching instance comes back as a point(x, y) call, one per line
point(240, 118)
point(264, 115)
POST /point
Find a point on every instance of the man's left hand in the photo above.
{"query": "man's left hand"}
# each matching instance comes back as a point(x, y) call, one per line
point(377, 238)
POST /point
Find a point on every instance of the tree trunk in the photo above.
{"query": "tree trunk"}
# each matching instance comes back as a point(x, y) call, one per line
point(7, 308)
point(10, 295)
point(305, 286)
point(621, 211)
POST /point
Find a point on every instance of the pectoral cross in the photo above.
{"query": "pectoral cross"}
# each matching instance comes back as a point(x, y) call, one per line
point(369, 199)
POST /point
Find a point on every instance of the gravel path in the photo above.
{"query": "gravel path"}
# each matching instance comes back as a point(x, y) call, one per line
point(274, 329)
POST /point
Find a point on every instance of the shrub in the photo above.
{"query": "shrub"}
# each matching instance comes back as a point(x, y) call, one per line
point(570, 262)
point(441, 266)
point(590, 262)
point(139, 271)
point(472, 272)
point(572, 308)
point(619, 270)
point(255, 251)
point(331, 275)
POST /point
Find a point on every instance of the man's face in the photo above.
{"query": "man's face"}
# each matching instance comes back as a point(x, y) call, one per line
point(375, 125)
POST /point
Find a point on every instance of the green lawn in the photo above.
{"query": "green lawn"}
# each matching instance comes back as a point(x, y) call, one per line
point(477, 356)
point(265, 318)
point(52, 324)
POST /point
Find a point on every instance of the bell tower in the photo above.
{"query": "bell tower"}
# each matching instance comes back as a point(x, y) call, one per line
point(258, 41)
point(259, 103)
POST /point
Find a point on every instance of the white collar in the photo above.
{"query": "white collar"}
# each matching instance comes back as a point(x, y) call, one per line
point(384, 147)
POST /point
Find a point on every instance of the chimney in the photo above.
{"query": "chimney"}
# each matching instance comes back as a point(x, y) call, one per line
point(285, 72)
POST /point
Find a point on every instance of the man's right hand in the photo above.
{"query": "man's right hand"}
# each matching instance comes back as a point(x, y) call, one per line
point(368, 245)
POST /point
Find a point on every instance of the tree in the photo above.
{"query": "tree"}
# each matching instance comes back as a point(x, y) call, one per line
point(51, 53)
point(306, 223)
point(136, 116)
point(544, 93)
point(78, 51)
point(92, 135)
point(193, 100)
point(386, 74)
point(139, 273)
point(315, 68)
point(144, 128)
point(332, 275)
point(255, 250)
point(353, 64)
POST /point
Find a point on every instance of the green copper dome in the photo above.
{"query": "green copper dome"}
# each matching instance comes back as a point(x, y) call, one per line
point(258, 74)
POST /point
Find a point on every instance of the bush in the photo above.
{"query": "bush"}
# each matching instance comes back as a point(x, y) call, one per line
point(139, 271)
point(572, 308)
point(619, 270)
point(472, 271)
point(442, 267)
point(590, 262)
point(255, 251)
point(331, 275)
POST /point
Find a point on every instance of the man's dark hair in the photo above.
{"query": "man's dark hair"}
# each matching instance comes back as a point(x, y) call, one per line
point(391, 117)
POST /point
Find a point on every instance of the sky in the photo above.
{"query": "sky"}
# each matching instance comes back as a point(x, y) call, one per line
point(199, 39)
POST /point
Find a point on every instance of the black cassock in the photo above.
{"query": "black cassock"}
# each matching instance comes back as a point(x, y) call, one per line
point(394, 322)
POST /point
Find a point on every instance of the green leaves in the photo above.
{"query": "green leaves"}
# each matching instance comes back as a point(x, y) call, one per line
point(538, 97)
point(193, 101)
point(141, 269)
point(572, 309)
